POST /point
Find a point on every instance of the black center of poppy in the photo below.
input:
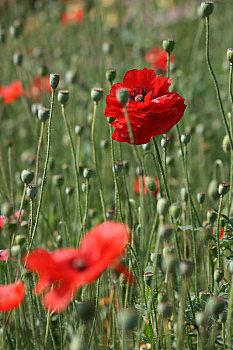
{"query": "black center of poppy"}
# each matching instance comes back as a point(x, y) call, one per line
point(138, 93)
point(139, 98)
point(79, 264)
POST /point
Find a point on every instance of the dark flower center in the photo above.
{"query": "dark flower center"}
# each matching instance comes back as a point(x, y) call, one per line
point(79, 264)
point(138, 93)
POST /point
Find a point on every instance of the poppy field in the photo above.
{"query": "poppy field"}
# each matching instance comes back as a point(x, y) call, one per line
point(116, 173)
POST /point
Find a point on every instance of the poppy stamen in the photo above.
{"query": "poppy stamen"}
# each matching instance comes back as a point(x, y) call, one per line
point(79, 264)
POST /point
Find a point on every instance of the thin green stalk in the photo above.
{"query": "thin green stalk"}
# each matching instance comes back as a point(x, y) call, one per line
point(216, 82)
point(231, 155)
point(86, 207)
point(229, 318)
point(74, 163)
point(95, 161)
point(3, 173)
point(10, 175)
point(217, 230)
point(38, 151)
point(96, 312)
point(181, 326)
point(168, 63)
point(30, 223)
point(45, 167)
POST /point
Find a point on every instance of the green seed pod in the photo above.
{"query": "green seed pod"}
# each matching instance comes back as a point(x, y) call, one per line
point(2, 36)
point(185, 138)
point(31, 191)
point(168, 45)
point(128, 319)
point(104, 144)
point(58, 180)
point(63, 96)
point(201, 197)
point(43, 114)
point(110, 214)
point(170, 161)
point(186, 268)
point(86, 187)
point(165, 231)
point(96, 94)
point(206, 8)
point(54, 80)
point(223, 188)
point(202, 319)
point(16, 28)
point(20, 240)
point(43, 70)
point(223, 316)
point(163, 206)
point(85, 310)
point(15, 250)
point(184, 194)
point(27, 176)
point(230, 55)
point(218, 275)
point(139, 171)
point(118, 167)
point(226, 145)
point(146, 146)
point(122, 95)
point(150, 184)
point(110, 120)
point(111, 74)
point(7, 209)
point(156, 255)
point(165, 309)
point(175, 210)
point(213, 190)
point(126, 166)
point(215, 305)
point(17, 58)
point(108, 47)
point(148, 278)
point(165, 142)
point(78, 130)
point(71, 77)
point(204, 295)
point(211, 216)
point(87, 173)
point(69, 190)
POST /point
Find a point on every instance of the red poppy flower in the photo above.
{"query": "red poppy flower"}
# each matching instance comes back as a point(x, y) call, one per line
point(158, 59)
point(40, 84)
point(64, 271)
point(3, 254)
point(75, 15)
point(137, 186)
point(15, 216)
point(151, 108)
point(11, 92)
point(11, 296)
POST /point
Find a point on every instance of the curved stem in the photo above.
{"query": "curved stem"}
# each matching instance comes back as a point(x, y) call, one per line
point(215, 81)
point(217, 232)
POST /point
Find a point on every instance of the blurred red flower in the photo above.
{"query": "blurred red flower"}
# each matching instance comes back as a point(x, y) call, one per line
point(151, 108)
point(64, 271)
point(15, 216)
point(11, 296)
point(158, 59)
point(38, 85)
point(11, 92)
point(75, 15)
point(3, 254)
point(137, 186)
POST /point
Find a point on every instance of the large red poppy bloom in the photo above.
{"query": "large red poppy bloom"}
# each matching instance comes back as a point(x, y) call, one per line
point(145, 190)
point(11, 92)
point(151, 108)
point(11, 296)
point(64, 271)
point(158, 59)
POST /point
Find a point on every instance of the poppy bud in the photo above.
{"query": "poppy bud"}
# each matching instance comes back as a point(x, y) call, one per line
point(201, 319)
point(87, 173)
point(163, 206)
point(58, 180)
point(71, 77)
point(111, 74)
point(122, 95)
point(15, 250)
point(86, 187)
point(31, 191)
point(118, 167)
point(170, 160)
point(218, 275)
point(139, 171)
point(211, 216)
point(165, 142)
point(63, 96)
point(156, 255)
point(104, 144)
point(150, 184)
point(165, 231)
point(186, 268)
point(27, 176)
point(126, 166)
point(78, 130)
point(168, 45)
point(110, 214)
point(223, 188)
point(175, 210)
point(43, 70)
point(206, 8)
point(16, 29)
point(35, 108)
point(148, 278)
point(230, 55)
point(43, 114)
point(69, 190)
point(184, 194)
point(213, 190)
point(215, 305)
point(201, 197)
point(146, 146)
point(226, 145)
point(204, 295)
point(223, 316)
point(59, 240)
point(7, 208)
point(20, 239)
point(54, 81)
point(97, 94)
point(185, 138)
point(128, 319)
point(2, 36)
point(165, 309)
point(85, 310)
point(17, 58)
point(107, 47)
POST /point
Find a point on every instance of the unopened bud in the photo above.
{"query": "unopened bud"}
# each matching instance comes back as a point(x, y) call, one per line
point(122, 95)
point(110, 74)
point(96, 94)
point(43, 114)
point(87, 173)
point(168, 45)
point(118, 167)
point(223, 188)
point(163, 206)
point(69, 190)
point(110, 214)
point(226, 145)
point(184, 194)
point(78, 130)
point(215, 305)
point(58, 180)
point(206, 8)
point(175, 210)
point(213, 190)
point(71, 77)
point(150, 184)
point(218, 275)
point(201, 197)
point(165, 142)
point(27, 176)
point(185, 138)
point(211, 216)
point(31, 191)
point(43, 70)
point(201, 319)
point(18, 58)
point(54, 81)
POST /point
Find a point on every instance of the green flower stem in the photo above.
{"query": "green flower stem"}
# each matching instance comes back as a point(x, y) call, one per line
point(229, 318)
point(95, 161)
point(38, 151)
point(74, 163)
point(181, 326)
point(84, 223)
point(45, 168)
point(96, 312)
point(30, 223)
point(215, 81)
point(168, 63)
point(217, 231)
point(231, 155)
point(3, 173)
point(31, 316)
point(10, 175)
